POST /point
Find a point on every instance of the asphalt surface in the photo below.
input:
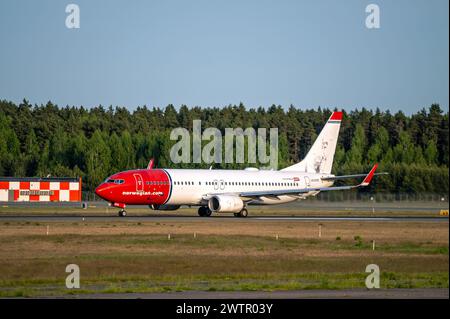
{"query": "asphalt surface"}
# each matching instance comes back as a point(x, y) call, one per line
point(423, 293)
point(363, 206)
point(217, 218)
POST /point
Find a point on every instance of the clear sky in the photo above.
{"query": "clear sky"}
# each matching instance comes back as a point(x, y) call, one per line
point(214, 53)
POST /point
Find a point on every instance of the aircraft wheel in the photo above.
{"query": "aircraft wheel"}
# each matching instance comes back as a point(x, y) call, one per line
point(237, 214)
point(243, 212)
point(122, 213)
point(202, 211)
point(208, 212)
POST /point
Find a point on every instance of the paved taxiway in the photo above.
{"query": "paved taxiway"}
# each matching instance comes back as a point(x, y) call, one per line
point(158, 218)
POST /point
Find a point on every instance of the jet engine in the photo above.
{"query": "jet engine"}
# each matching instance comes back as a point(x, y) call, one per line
point(225, 204)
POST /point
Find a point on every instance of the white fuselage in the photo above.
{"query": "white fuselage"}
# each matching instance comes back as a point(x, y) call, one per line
point(189, 186)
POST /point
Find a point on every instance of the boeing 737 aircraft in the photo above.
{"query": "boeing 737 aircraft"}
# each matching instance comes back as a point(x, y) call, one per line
point(231, 191)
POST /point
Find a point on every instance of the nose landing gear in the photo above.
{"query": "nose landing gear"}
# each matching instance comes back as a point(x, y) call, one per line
point(122, 213)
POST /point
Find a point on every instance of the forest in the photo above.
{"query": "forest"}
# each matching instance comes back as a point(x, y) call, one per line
point(95, 142)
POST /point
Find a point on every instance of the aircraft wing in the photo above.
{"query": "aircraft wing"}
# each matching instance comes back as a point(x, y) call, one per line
point(335, 178)
point(272, 193)
point(293, 192)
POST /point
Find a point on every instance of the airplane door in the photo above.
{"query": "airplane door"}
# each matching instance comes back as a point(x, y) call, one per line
point(139, 182)
point(307, 181)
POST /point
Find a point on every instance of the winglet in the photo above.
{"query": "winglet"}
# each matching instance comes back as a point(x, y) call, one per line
point(369, 176)
point(150, 164)
point(336, 116)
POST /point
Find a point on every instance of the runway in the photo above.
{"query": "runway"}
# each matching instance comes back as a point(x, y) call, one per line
point(217, 218)
point(310, 206)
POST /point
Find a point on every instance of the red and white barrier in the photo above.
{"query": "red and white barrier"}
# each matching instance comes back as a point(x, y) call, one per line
point(40, 191)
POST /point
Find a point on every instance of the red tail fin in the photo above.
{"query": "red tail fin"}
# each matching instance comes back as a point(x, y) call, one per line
point(150, 164)
point(369, 176)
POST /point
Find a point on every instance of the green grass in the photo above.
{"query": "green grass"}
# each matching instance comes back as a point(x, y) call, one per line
point(237, 282)
point(261, 243)
point(149, 262)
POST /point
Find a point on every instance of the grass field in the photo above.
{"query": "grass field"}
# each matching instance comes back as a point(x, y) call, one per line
point(124, 256)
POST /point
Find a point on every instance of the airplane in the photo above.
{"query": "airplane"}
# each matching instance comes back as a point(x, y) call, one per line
point(231, 191)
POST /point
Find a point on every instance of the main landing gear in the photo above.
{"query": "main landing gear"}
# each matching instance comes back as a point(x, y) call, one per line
point(204, 211)
point(122, 213)
point(242, 213)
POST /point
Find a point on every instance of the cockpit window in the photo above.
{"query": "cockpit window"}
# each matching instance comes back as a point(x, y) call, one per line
point(115, 181)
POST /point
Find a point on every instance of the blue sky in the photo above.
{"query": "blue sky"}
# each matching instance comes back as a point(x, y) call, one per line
point(215, 53)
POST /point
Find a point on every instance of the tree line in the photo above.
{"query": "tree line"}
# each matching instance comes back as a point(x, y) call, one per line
point(42, 140)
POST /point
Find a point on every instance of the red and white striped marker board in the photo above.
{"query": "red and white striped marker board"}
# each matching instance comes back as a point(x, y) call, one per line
point(40, 189)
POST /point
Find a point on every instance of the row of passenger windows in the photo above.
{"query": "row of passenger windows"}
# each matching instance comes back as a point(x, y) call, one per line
point(217, 183)
point(237, 183)
point(157, 183)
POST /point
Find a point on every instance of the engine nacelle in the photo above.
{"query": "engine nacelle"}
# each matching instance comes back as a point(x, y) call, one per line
point(164, 207)
point(225, 204)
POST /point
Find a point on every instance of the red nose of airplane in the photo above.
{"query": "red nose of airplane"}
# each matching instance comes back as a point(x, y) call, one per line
point(101, 191)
